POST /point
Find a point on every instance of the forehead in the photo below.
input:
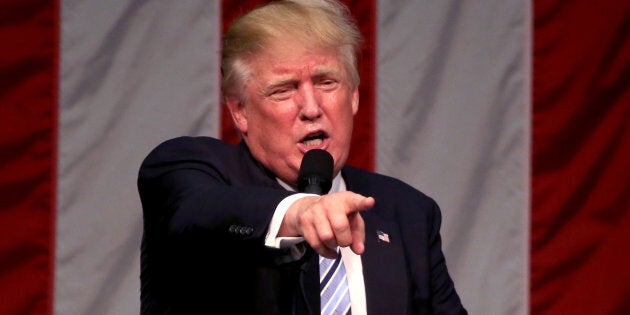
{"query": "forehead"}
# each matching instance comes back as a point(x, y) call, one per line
point(290, 57)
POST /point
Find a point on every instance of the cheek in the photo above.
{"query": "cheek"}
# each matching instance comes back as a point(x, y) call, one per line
point(273, 126)
point(344, 115)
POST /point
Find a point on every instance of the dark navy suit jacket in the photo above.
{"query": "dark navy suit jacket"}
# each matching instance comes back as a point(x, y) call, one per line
point(207, 206)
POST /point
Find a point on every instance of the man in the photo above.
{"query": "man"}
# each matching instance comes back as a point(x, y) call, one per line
point(224, 228)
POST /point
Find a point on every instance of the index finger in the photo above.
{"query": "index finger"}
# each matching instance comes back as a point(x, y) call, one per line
point(359, 203)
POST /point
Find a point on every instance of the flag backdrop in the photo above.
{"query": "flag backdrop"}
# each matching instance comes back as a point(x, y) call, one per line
point(512, 114)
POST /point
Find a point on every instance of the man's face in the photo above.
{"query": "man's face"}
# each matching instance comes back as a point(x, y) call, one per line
point(297, 99)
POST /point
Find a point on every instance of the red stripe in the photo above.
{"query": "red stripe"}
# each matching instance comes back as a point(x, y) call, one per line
point(28, 137)
point(363, 140)
point(581, 174)
point(363, 149)
point(230, 10)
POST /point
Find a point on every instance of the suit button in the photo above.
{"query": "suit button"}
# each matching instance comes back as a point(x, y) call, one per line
point(243, 230)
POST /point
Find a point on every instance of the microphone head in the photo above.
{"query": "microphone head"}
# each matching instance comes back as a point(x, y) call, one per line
point(316, 172)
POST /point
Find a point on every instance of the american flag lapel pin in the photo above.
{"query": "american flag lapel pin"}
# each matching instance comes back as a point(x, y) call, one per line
point(382, 236)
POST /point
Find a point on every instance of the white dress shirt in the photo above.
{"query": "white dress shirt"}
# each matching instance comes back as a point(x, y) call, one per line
point(352, 261)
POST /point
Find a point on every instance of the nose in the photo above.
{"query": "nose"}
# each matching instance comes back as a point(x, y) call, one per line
point(309, 103)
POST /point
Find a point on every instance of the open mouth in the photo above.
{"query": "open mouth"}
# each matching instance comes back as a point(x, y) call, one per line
point(314, 139)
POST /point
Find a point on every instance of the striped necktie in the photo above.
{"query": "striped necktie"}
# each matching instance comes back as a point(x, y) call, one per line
point(335, 296)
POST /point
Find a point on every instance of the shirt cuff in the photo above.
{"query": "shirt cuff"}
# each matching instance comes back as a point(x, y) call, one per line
point(272, 239)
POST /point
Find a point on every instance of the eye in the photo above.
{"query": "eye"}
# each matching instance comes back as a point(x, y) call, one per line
point(327, 84)
point(281, 93)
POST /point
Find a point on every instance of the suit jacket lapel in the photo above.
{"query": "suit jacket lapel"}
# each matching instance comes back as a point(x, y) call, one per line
point(384, 266)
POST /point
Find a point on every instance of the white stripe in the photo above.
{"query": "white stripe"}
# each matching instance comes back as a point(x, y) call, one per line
point(453, 109)
point(133, 73)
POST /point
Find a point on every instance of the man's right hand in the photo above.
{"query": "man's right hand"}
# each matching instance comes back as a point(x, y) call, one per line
point(328, 221)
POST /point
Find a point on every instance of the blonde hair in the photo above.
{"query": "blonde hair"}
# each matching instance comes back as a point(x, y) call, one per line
point(322, 23)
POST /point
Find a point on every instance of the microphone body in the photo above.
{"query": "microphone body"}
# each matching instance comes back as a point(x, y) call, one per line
point(316, 171)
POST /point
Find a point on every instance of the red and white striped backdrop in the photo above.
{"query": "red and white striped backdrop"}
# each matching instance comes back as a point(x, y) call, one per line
point(513, 115)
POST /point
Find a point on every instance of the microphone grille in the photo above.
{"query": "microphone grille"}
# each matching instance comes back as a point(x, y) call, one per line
point(316, 163)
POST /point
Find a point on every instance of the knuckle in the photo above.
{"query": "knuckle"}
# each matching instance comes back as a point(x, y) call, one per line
point(327, 236)
point(340, 227)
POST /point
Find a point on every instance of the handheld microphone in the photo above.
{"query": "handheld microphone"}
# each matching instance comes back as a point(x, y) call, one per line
point(316, 171)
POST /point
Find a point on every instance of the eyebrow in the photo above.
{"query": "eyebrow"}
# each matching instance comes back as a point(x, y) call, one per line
point(323, 71)
point(319, 72)
point(280, 82)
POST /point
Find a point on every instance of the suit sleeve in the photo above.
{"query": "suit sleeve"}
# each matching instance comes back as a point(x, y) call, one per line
point(211, 195)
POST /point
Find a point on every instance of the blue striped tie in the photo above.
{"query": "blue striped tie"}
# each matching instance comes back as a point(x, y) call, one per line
point(335, 296)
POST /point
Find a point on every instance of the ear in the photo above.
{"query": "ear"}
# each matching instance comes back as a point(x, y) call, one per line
point(355, 101)
point(238, 113)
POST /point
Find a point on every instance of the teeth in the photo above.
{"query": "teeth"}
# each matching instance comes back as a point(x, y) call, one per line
point(313, 142)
